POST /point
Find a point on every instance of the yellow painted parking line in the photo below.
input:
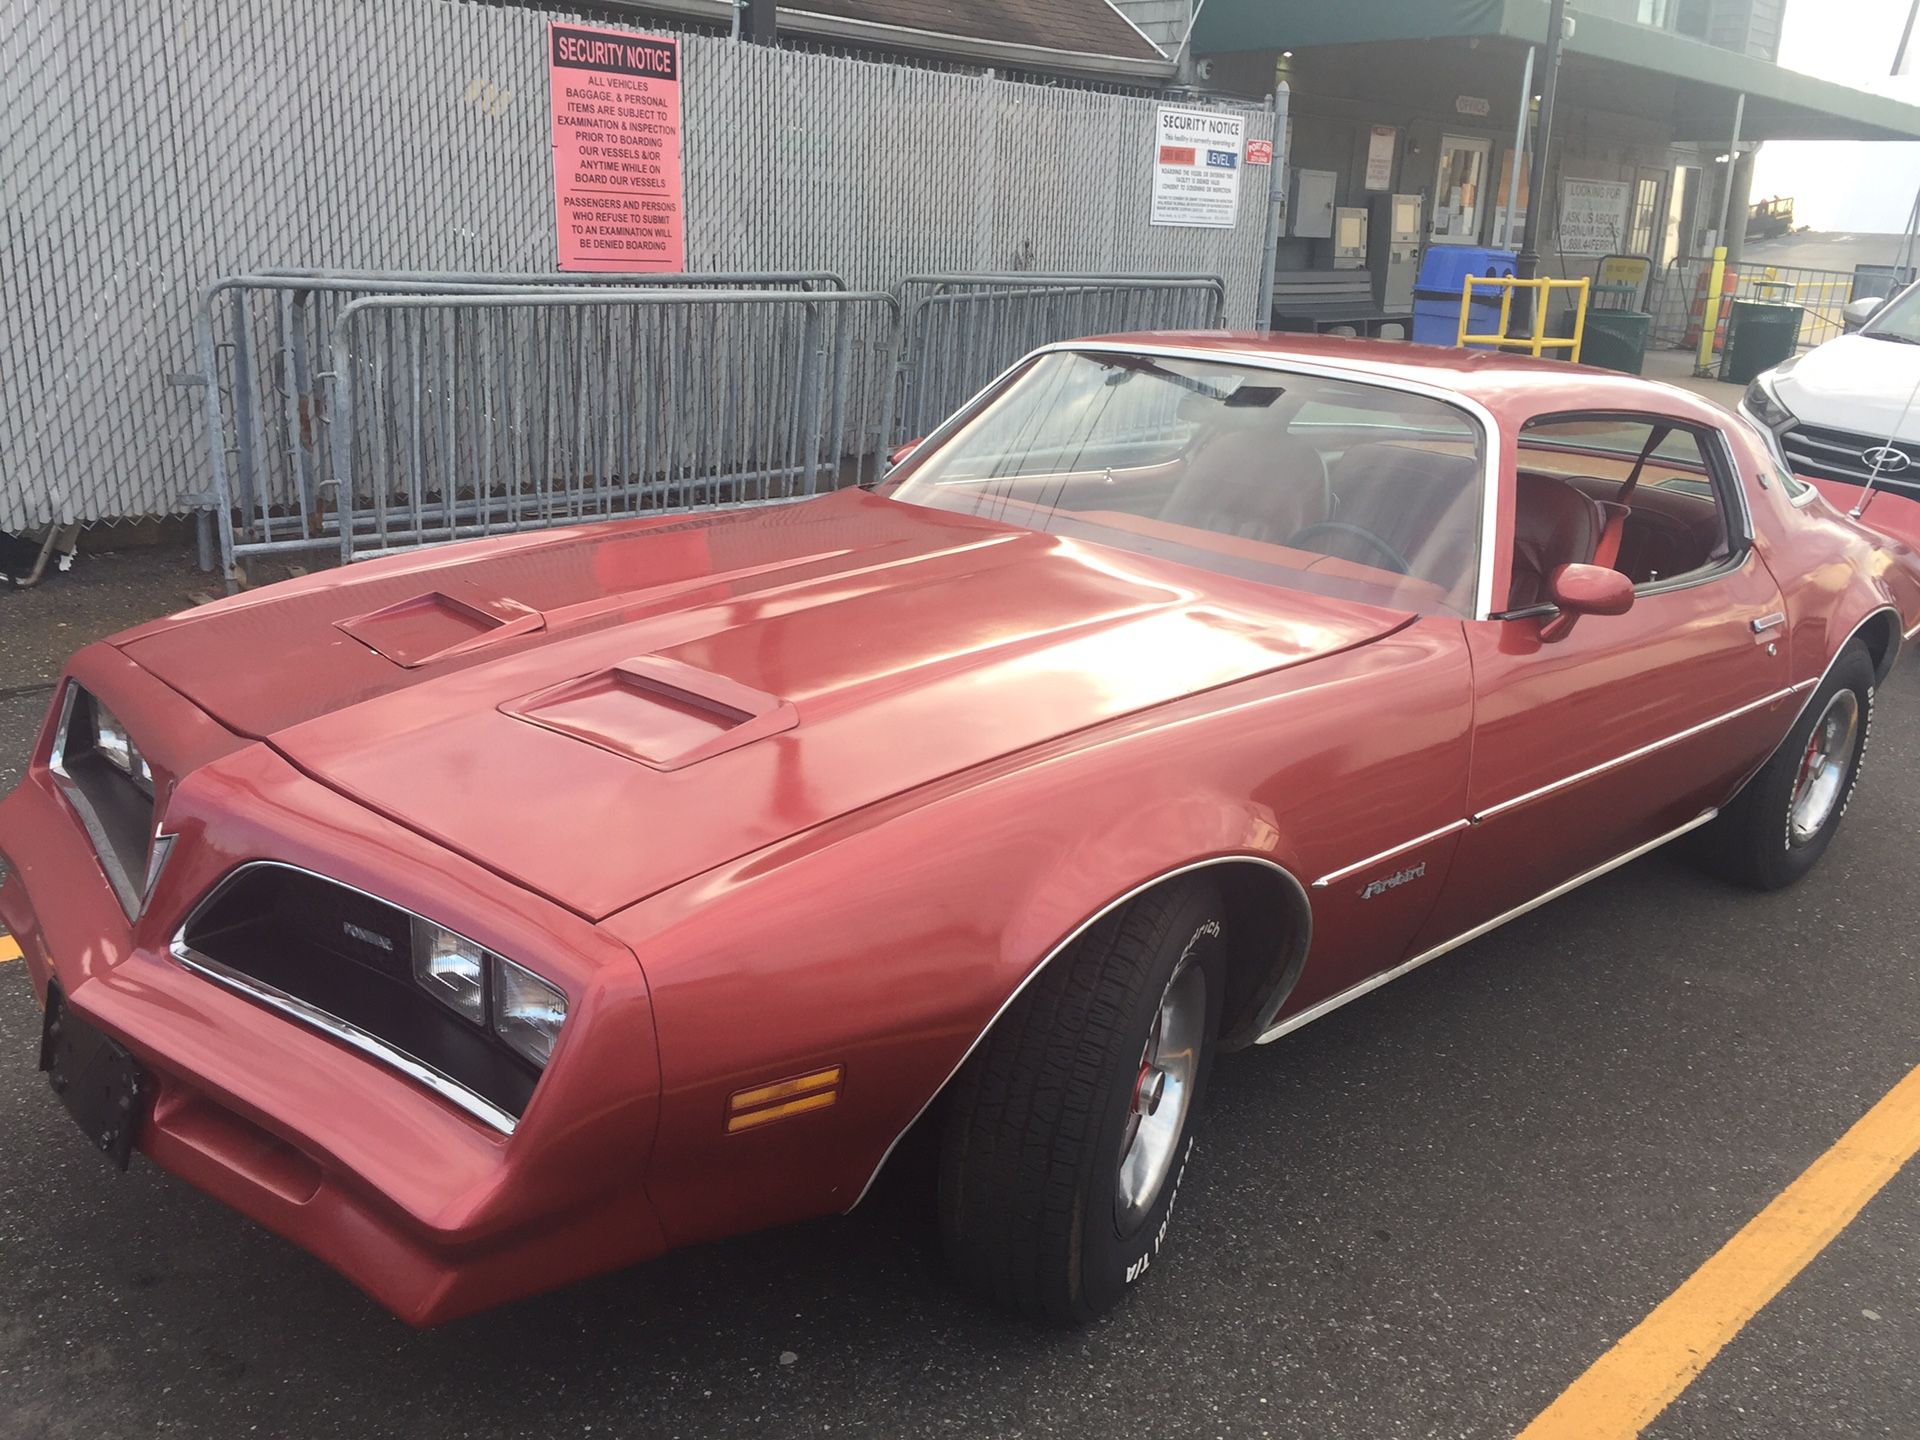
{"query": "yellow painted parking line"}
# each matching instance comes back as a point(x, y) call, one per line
point(9, 949)
point(1627, 1387)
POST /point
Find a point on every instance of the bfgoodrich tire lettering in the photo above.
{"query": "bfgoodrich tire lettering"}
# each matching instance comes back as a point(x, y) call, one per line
point(1034, 1212)
point(1779, 826)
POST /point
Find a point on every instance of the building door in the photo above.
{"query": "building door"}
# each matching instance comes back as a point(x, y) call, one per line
point(1644, 227)
point(1462, 192)
point(1683, 212)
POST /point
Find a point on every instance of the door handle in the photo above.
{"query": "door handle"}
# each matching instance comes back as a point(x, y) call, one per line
point(1772, 621)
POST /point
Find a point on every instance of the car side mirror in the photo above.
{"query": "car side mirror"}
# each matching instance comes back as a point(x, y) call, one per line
point(1584, 590)
point(1858, 312)
point(900, 452)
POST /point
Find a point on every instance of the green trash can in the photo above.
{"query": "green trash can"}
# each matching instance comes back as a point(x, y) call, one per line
point(1759, 336)
point(1614, 339)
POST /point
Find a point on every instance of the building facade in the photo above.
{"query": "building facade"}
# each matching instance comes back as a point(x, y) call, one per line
point(1661, 105)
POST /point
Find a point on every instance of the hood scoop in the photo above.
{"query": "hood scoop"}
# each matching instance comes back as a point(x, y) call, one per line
point(665, 714)
point(440, 625)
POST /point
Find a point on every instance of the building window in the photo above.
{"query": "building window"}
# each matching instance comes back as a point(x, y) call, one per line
point(1460, 190)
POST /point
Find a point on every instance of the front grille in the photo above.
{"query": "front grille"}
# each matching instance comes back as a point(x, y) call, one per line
point(116, 811)
point(1828, 454)
point(342, 961)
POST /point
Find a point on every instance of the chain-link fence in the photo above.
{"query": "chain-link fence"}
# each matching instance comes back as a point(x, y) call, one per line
point(222, 137)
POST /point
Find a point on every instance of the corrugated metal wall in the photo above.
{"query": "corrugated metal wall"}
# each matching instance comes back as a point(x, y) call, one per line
point(140, 158)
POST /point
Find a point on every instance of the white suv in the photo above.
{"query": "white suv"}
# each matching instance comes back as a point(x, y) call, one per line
point(1847, 414)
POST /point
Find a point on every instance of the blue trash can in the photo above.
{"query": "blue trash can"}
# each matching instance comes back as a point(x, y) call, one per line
point(1436, 292)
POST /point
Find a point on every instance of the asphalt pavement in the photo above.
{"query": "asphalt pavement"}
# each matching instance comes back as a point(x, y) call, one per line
point(1424, 1215)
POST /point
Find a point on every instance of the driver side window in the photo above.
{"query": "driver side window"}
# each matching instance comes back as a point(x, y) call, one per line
point(1645, 489)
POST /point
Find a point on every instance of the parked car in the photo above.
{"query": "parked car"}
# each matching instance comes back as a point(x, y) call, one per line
point(501, 914)
point(1844, 416)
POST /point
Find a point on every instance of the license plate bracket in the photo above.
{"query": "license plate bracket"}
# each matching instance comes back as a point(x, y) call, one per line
point(96, 1078)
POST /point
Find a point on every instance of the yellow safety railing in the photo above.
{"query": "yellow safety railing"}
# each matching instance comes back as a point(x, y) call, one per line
point(1539, 342)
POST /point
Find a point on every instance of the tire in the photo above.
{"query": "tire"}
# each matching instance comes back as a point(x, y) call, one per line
point(1042, 1119)
point(1778, 827)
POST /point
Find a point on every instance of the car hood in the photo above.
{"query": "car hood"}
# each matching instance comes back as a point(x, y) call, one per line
point(1854, 383)
point(601, 713)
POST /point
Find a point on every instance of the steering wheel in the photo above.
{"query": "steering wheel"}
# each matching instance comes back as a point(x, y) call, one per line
point(1396, 562)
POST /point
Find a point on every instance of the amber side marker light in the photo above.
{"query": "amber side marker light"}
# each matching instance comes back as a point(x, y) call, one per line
point(766, 1103)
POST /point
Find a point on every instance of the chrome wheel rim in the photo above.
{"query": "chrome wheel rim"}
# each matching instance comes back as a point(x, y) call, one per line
point(1824, 767)
point(1162, 1096)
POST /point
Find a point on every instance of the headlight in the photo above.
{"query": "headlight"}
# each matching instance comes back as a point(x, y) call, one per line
point(113, 745)
point(451, 968)
point(1765, 406)
point(527, 1011)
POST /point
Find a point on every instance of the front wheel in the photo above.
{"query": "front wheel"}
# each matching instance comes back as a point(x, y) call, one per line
point(1782, 822)
point(1068, 1131)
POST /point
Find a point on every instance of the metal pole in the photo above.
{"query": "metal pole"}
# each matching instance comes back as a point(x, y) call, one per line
point(1276, 205)
point(1733, 155)
point(1520, 146)
point(1527, 263)
point(1906, 35)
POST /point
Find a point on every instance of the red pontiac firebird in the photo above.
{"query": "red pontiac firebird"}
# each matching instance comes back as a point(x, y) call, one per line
point(501, 914)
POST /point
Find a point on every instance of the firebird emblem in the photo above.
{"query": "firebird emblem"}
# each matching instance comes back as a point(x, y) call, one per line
point(1393, 881)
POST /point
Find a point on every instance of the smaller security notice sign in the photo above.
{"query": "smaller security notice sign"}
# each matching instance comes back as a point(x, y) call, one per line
point(1196, 168)
point(616, 149)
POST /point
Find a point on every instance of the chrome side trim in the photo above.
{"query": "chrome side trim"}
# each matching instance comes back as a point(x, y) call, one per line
point(1359, 865)
point(1051, 955)
point(1374, 982)
point(1644, 750)
point(277, 999)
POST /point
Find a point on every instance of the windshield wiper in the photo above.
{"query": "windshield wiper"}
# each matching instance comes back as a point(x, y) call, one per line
point(1890, 335)
point(1144, 365)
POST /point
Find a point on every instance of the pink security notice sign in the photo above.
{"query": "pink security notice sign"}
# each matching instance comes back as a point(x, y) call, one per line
point(616, 149)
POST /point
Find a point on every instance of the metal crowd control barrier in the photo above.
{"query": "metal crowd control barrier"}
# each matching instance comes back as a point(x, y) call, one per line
point(261, 342)
point(458, 414)
point(1539, 342)
point(959, 331)
point(1682, 292)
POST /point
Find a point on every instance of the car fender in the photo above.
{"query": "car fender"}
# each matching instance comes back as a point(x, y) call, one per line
point(882, 958)
point(876, 950)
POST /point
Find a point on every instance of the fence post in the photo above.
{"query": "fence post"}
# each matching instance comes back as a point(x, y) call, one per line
point(1276, 206)
point(1710, 316)
point(813, 363)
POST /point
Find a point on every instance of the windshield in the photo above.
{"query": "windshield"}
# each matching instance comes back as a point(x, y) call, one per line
point(1334, 486)
point(1900, 320)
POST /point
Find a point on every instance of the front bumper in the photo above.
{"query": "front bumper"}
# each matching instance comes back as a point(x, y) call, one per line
point(430, 1212)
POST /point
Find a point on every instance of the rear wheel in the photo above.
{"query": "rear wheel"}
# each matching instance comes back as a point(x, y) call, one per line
point(1068, 1131)
point(1778, 827)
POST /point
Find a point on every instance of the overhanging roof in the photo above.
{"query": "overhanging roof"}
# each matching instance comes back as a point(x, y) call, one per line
point(1075, 37)
point(1701, 80)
